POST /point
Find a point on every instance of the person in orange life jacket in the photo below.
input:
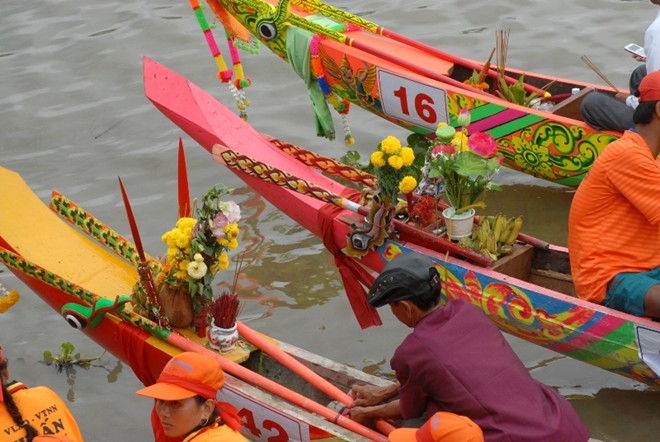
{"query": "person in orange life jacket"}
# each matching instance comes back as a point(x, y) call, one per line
point(614, 221)
point(456, 360)
point(441, 427)
point(185, 401)
point(33, 414)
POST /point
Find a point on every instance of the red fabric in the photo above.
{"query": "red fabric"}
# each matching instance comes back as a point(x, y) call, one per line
point(205, 391)
point(352, 274)
point(229, 414)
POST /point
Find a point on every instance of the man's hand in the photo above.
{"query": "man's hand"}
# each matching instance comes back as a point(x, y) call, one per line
point(362, 415)
point(366, 395)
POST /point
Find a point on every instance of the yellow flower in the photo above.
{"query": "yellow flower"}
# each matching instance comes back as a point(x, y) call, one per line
point(390, 145)
point(7, 302)
point(378, 159)
point(233, 243)
point(395, 162)
point(223, 261)
point(407, 184)
point(460, 141)
point(408, 156)
point(232, 231)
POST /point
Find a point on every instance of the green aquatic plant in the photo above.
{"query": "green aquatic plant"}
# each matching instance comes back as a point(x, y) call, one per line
point(67, 358)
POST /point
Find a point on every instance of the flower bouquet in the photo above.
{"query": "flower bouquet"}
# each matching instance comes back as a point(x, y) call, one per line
point(465, 165)
point(393, 166)
point(196, 249)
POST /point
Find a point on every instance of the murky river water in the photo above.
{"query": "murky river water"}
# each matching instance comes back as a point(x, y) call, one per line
point(73, 117)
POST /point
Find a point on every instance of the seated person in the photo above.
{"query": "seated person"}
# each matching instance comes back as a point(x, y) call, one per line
point(22, 416)
point(185, 401)
point(614, 221)
point(605, 112)
point(456, 360)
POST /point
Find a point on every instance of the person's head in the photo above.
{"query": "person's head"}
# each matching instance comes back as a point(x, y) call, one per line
point(410, 285)
point(185, 393)
point(441, 427)
point(649, 99)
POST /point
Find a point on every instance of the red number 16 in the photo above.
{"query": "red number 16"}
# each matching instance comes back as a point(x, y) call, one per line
point(423, 105)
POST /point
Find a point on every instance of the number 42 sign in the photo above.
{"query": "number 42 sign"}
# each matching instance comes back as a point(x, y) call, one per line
point(412, 101)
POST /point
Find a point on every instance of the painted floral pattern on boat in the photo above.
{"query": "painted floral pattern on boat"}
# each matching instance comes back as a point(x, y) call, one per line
point(567, 328)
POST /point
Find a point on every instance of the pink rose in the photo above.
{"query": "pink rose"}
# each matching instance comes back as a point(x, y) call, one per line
point(483, 144)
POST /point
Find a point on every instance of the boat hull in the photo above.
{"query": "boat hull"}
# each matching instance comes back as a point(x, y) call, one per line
point(618, 342)
point(417, 88)
point(44, 239)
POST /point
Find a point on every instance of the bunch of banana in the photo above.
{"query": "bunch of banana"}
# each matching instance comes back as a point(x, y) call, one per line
point(494, 235)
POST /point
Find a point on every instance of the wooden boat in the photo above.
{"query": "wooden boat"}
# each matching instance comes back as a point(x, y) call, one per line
point(528, 294)
point(417, 86)
point(283, 393)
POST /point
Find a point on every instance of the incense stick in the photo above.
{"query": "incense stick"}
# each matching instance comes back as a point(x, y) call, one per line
point(593, 67)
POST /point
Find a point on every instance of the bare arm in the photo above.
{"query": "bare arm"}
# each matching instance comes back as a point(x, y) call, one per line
point(366, 395)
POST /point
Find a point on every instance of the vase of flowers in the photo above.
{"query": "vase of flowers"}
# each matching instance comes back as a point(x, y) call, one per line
point(197, 249)
point(393, 166)
point(465, 165)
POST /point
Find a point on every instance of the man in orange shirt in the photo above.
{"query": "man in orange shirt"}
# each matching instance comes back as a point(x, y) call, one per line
point(614, 222)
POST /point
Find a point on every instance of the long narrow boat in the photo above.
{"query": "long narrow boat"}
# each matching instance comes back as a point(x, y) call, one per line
point(417, 86)
point(285, 394)
point(528, 294)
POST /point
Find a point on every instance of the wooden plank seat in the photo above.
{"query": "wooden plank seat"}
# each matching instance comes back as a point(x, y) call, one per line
point(570, 107)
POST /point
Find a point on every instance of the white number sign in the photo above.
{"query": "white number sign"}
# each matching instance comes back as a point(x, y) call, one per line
point(412, 101)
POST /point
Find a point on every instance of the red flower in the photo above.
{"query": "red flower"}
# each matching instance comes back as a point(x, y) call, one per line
point(446, 149)
point(483, 144)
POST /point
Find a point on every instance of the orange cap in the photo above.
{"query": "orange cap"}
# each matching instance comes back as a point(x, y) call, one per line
point(186, 375)
point(649, 87)
point(441, 427)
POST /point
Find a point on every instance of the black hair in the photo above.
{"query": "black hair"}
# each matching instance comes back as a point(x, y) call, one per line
point(212, 418)
point(644, 112)
point(12, 408)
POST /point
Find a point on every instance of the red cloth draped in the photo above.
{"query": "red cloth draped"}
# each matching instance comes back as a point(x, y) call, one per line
point(353, 275)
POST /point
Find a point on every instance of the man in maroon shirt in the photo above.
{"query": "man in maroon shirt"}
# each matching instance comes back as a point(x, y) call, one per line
point(456, 360)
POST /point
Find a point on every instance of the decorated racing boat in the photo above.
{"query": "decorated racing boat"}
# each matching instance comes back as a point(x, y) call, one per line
point(347, 60)
point(528, 293)
point(86, 271)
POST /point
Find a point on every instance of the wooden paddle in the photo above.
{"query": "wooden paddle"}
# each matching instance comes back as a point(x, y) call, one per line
point(14, 261)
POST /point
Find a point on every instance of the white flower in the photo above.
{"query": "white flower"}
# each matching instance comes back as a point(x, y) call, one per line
point(198, 258)
point(231, 210)
point(196, 269)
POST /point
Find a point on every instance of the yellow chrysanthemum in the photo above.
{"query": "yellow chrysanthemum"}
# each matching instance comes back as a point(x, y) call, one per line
point(233, 243)
point(407, 155)
point(390, 145)
point(407, 184)
point(7, 302)
point(232, 231)
point(223, 242)
point(378, 159)
point(223, 261)
point(395, 162)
